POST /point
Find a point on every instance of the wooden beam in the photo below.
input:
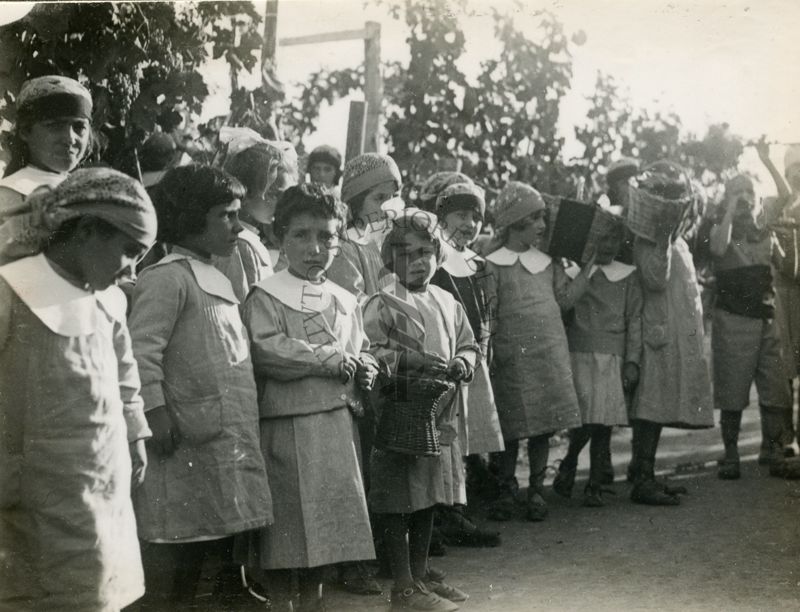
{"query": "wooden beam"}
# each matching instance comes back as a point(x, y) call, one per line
point(355, 130)
point(321, 38)
point(269, 48)
point(373, 84)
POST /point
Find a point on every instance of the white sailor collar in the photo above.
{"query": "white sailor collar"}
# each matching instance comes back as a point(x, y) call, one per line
point(208, 278)
point(64, 309)
point(460, 264)
point(533, 260)
point(250, 235)
point(614, 272)
point(26, 179)
point(304, 296)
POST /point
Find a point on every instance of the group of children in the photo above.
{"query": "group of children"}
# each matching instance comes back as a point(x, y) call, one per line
point(228, 407)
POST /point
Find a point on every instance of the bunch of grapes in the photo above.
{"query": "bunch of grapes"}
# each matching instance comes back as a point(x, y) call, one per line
point(666, 180)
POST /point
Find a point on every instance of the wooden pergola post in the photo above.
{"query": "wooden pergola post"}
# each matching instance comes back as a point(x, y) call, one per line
point(363, 126)
point(373, 84)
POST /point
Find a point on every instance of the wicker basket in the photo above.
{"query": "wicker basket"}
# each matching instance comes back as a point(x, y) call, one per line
point(407, 423)
point(647, 209)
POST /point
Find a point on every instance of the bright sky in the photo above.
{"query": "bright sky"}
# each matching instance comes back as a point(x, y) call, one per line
point(709, 61)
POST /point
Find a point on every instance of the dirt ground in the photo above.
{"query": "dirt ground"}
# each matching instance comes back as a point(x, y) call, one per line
point(731, 545)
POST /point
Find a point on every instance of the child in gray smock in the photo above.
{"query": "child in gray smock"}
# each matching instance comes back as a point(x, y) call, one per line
point(416, 327)
point(531, 372)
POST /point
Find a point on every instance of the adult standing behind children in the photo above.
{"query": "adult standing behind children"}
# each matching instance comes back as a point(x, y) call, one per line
point(70, 405)
point(52, 136)
point(207, 479)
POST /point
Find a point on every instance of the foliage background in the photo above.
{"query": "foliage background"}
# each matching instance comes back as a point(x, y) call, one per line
point(498, 125)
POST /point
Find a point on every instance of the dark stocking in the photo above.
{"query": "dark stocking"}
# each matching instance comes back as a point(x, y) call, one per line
point(730, 422)
point(598, 452)
point(396, 545)
point(578, 438)
point(538, 452)
point(420, 526)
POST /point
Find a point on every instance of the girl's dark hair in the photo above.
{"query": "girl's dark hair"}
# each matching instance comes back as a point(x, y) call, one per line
point(185, 195)
point(251, 167)
point(395, 239)
point(67, 229)
point(306, 198)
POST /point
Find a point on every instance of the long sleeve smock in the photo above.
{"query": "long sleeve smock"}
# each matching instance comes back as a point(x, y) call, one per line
point(69, 405)
point(193, 357)
point(299, 332)
point(674, 385)
point(398, 320)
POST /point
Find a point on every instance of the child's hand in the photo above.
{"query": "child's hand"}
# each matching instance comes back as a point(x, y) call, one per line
point(457, 369)
point(630, 376)
point(166, 436)
point(429, 363)
point(138, 462)
point(366, 374)
point(348, 368)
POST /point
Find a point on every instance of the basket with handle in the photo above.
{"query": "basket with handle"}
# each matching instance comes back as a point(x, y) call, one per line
point(410, 406)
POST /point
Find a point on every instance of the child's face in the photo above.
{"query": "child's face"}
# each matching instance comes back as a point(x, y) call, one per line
point(744, 195)
point(222, 228)
point(322, 173)
point(310, 244)
point(371, 213)
point(415, 261)
point(608, 246)
point(532, 230)
point(57, 144)
point(109, 259)
point(462, 226)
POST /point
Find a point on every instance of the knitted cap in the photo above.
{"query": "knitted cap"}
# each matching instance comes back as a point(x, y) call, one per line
point(364, 172)
point(53, 96)
point(326, 154)
point(436, 183)
point(459, 196)
point(515, 202)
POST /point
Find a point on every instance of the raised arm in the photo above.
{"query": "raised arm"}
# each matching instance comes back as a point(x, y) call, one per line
point(762, 147)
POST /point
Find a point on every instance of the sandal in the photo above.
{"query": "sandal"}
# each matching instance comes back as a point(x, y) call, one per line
point(729, 470)
point(420, 598)
point(442, 589)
